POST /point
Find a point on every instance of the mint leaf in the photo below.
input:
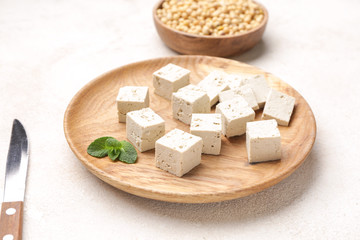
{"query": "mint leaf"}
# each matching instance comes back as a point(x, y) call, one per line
point(97, 148)
point(114, 148)
point(128, 153)
point(109, 146)
point(114, 154)
point(112, 143)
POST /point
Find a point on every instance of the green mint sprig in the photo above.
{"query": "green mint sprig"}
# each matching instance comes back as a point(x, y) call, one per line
point(116, 150)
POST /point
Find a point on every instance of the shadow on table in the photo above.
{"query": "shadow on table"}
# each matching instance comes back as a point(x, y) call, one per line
point(254, 53)
point(258, 205)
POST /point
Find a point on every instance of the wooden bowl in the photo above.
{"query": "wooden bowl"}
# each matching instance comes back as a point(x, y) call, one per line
point(221, 46)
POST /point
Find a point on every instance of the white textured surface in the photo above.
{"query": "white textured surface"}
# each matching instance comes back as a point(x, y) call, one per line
point(50, 49)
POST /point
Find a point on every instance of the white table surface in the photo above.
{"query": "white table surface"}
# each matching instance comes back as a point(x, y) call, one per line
point(50, 49)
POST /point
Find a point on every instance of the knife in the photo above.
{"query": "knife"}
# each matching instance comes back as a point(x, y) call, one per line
point(14, 189)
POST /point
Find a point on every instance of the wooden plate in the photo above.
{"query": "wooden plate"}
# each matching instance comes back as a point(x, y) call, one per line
point(92, 114)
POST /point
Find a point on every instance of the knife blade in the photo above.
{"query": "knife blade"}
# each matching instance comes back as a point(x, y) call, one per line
point(15, 183)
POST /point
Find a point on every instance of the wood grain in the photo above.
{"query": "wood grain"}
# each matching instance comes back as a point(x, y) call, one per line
point(220, 46)
point(11, 224)
point(92, 114)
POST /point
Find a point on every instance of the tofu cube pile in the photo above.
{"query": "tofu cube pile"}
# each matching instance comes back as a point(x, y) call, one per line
point(143, 128)
point(208, 127)
point(263, 141)
point(240, 95)
point(169, 79)
point(131, 98)
point(178, 152)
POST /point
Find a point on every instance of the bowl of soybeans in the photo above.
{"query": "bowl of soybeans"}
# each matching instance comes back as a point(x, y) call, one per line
point(210, 27)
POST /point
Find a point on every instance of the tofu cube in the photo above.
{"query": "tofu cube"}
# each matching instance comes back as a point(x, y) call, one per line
point(208, 127)
point(235, 80)
point(178, 152)
point(188, 100)
point(244, 92)
point(143, 128)
point(131, 98)
point(260, 87)
point(263, 141)
point(227, 95)
point(169, 79)
point(213, 84)
point(279, 106)
point(234, 115)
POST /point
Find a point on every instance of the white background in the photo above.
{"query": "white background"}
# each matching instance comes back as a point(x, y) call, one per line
point(49, 49)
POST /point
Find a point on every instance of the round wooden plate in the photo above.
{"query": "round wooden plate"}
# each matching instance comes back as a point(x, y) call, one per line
point(92, 114)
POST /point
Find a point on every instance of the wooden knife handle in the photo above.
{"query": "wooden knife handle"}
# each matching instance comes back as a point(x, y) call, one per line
point(11, 219)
